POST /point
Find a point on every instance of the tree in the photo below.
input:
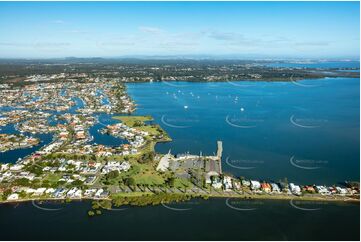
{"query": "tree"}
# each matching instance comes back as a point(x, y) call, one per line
point(171, 182)
point(147, 157)
point(46, 183)
point(22, 182)
point(112, 174)
point(77, 183)
point(60, 183)
point(95, 205)
point(138, 123)
point(186, 186)
point(130, 181)
point(6, 193)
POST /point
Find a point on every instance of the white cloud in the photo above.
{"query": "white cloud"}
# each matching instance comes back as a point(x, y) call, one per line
point(312, 43)
point(50, 44)
point(151, 30)
point(77, 31)
point(59, 21)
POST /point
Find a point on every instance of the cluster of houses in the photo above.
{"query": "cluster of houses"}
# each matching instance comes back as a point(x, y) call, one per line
point(85, 172)
point(78, 166)
point(135, 137)
point(127, 104)
point(82, 170)
point(16, 141)
point(42, 97)
point(59, 193)
point(228, 183)
point(79, 123)
point(36, 126)
point(44, 77)
point(115, 166)
point(100, 150)
point(28, 102)
point(60, 97)
point(8, 172)
point(291, 188)
point(19, 115)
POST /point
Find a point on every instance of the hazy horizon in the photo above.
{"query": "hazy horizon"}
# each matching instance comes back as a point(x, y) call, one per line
point(192, 57)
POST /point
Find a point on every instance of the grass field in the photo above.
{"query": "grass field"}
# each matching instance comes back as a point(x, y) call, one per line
point(131, 120)
point(182, 183)
point(131, 194)
point(138, 123)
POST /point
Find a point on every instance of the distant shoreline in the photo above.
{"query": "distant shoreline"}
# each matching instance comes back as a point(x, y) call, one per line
point(248, 80)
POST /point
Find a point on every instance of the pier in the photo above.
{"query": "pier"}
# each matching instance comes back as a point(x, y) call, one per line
point(219, 149)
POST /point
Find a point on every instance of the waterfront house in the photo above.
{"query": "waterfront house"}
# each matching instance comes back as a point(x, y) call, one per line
point(216, 182)
point(77, 194)
point(59, 192)
point(341, 191)
point(13, 197)
point(266, 187)
point(295, 189)
point(39, 192)
point(255, 185)
point(104, 194)
point(50, 191)
point(332, 190)
point(237, 185)
point(309, 189)
point(322, 190)
point(74, 193)
point(246, 183)
point(227, 182)
point(29, 190)
point(98, 193)
point(275, 188)
point(283, 186)
point(89, 192)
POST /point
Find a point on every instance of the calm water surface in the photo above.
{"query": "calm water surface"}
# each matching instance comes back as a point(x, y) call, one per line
point(306, 131)
point(323, 64)
point(204, 220)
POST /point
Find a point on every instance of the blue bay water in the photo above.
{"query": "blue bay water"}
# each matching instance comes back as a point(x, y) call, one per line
point(13, 155)
point(306, 131)
point(319, 64)
point(204, 220)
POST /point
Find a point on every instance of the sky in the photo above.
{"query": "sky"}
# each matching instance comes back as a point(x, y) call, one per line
point(240, 29)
